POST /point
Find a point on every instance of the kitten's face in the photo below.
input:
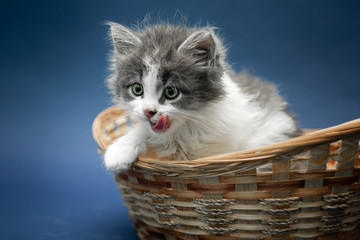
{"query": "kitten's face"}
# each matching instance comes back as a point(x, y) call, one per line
point(152, 94)
point(166, 75)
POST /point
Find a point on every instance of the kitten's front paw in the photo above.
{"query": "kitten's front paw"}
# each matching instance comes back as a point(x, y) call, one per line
point(119, 157)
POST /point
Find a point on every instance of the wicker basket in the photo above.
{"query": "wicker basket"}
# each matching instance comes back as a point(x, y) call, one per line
point(223, 197)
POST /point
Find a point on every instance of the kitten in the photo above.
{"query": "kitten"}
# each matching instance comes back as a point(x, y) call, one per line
point(187, 101)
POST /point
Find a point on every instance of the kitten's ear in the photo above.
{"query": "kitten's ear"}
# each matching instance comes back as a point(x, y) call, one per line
point(201, 44)
point(123, 38)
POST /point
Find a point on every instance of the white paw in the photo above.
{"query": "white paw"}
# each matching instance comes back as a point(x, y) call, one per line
point(119, 156)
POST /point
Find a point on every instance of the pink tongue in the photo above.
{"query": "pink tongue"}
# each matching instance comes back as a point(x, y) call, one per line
point(162, 123)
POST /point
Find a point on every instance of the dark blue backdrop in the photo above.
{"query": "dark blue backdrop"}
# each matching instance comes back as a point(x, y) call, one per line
point(52, 67)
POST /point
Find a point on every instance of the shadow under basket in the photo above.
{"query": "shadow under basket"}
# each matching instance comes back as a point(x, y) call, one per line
point(224, 197)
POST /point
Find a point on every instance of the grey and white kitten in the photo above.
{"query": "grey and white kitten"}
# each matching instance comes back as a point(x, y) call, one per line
point(186, 100)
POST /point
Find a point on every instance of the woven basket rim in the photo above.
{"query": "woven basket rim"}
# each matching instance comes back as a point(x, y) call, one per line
point(222, 163)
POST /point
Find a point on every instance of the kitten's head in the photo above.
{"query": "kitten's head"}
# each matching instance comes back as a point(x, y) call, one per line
point(166, 70)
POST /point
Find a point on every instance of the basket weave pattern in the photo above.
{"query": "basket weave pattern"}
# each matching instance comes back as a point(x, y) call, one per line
point(223, 197)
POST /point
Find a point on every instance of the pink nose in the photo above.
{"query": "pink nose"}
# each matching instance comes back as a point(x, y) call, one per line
point(149, 113)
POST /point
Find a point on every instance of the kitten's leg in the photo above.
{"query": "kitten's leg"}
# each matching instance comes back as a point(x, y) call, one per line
point(123, 151)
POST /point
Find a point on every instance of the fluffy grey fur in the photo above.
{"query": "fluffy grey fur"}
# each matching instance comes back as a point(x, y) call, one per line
point(264, 94)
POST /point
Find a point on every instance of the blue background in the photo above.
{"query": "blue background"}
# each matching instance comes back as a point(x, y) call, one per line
point(52, 69)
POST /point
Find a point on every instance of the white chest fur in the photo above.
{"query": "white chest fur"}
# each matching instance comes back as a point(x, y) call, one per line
point(232, 124)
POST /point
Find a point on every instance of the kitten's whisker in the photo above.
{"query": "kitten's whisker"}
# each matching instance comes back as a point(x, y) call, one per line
point(182, 82)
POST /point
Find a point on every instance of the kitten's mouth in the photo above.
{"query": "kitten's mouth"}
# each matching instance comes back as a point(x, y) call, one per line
point(162, 124)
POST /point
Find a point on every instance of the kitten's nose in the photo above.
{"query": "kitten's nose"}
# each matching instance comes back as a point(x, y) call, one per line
point(149, 113)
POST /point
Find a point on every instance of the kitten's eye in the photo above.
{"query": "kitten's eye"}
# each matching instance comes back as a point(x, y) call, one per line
point(171, 93)
point(137, 89)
